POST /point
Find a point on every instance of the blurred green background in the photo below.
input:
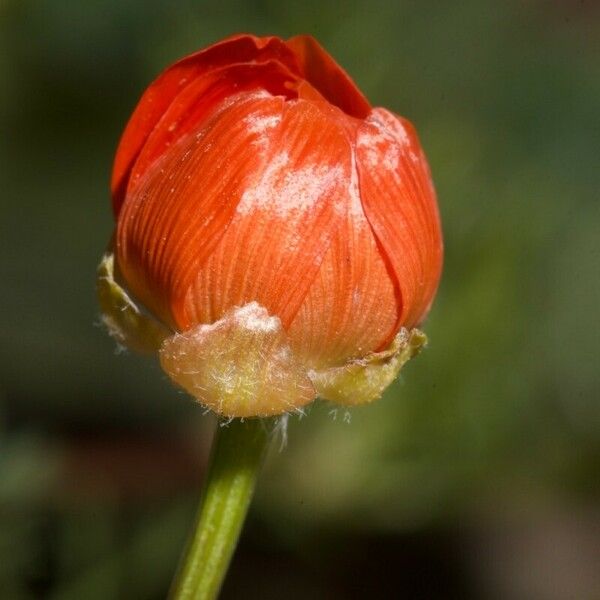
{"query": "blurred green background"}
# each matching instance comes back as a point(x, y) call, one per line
point(475, 477)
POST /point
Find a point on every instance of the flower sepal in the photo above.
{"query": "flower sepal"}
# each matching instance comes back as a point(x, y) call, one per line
point(363, 380)
point(239, 366)
point(129, 323)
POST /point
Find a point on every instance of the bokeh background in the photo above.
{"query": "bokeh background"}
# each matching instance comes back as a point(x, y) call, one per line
point(475, 477)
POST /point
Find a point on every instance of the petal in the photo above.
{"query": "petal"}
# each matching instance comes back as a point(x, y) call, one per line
point(184, 204)
point(322, 72)
point(400, 203)
point(165, 89)
point(204, 95)
point(284, 224)
point(352, 306)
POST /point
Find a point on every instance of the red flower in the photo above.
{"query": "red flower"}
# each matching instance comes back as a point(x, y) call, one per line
point(256, 171)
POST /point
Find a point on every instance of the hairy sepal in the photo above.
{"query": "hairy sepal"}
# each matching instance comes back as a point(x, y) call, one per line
point(125, 319)
point(239, 366)
point(363, 380)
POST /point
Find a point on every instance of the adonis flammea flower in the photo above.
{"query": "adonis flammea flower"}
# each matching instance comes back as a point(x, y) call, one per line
point(277, 238)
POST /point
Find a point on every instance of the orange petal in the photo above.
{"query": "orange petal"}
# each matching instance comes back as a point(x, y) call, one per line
point(204, 95)
point(400, 203)
point(184, 204)
point(322, 72)
point(164, 90)
point(284, 224)
point(351, 308)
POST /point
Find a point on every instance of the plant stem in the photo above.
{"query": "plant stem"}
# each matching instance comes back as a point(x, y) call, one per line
point(237, 453)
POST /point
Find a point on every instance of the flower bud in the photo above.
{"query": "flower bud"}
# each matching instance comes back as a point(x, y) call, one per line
point(281, 230)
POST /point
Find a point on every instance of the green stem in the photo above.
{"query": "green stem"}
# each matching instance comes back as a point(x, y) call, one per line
point(238, 450)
